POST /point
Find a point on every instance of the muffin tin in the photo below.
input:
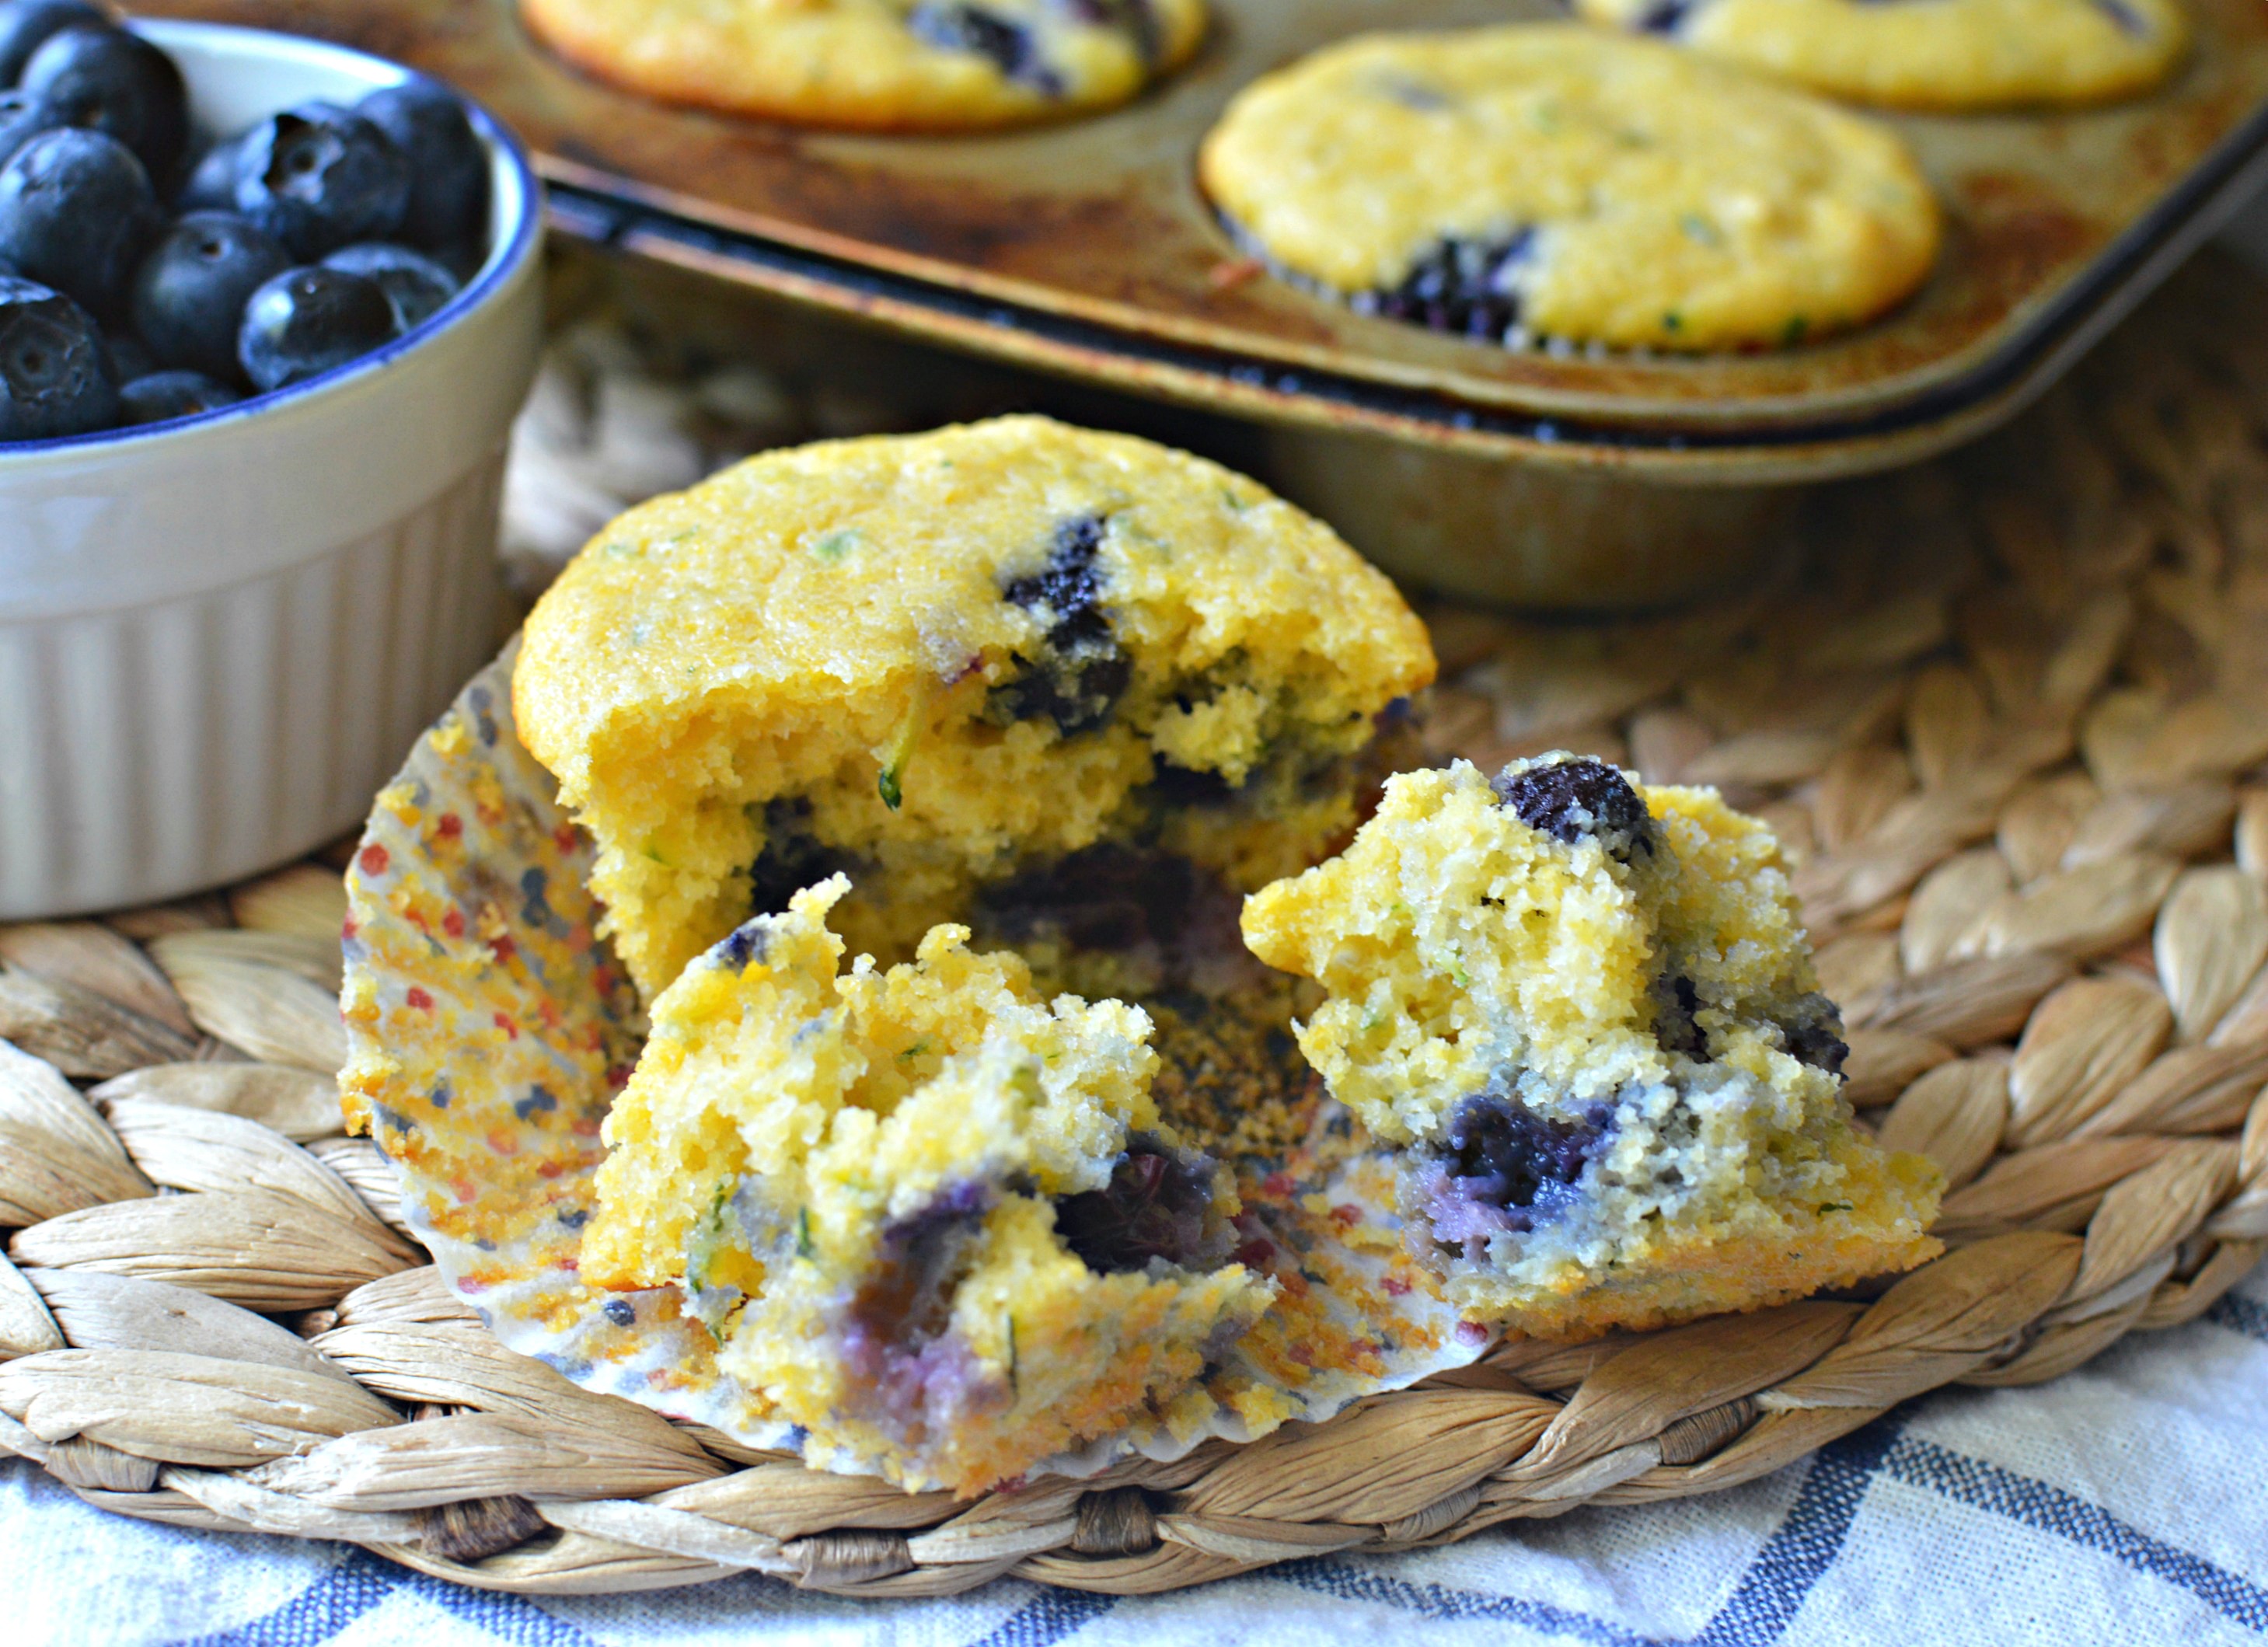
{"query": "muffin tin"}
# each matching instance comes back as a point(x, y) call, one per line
point(1086, 248)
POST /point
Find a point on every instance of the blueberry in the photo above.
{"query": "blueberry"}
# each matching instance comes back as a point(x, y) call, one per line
point(212, 184)
point(118, 84)
point(75, 212)
point(449, 166)
point(52, 374)
point(22, 118)
point(130, 356)
point(1569, 800)
point(1010, 47)
point(1153, 1208)
point(1079, 680)
point(191, 290)
point(1813, 1033)
point(415, 284)
point(792, 858)
point(308, 321)
point(1463, 285)
point(318, 177)
point(1503, 1153)
point(163, 396)
point(27, 25)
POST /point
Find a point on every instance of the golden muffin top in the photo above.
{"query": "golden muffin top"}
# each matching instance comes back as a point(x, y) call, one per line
point(1600, 188)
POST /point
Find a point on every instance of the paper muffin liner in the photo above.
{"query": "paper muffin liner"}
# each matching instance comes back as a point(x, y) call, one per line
point(490, 1027)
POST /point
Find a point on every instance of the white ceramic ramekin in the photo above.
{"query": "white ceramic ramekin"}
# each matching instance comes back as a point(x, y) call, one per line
point(219, 637)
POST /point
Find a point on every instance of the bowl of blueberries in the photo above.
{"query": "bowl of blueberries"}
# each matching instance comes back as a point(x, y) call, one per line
point(267, 307)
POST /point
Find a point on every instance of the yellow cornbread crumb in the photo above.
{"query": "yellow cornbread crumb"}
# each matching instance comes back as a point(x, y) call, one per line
point(1602, 189)
point(931, 1218)
point(936, 662)
point(1586, 1013)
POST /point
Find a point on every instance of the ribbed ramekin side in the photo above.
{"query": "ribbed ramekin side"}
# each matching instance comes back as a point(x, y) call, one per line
point(151, 752)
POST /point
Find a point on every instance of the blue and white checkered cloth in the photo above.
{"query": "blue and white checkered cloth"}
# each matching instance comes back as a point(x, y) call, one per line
point(2125, 1503)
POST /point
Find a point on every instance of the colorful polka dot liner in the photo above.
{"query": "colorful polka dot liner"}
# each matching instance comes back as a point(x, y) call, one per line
point(490, 1027)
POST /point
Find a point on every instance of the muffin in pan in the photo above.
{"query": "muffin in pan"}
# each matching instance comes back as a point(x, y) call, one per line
point(1547, 180)
point(886, 65)
point(933, 1219)
point(991, 673)
point(1942, 55)
point(1585, 1011)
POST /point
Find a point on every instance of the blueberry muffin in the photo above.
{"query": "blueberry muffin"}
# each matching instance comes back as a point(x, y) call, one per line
point(884, 65)
point(1549, 181)
point(1584, 1012)
point(1937, 54)
point(1060, 687)
point(929, 1217)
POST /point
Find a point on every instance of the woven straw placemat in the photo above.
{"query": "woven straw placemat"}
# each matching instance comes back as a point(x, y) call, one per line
point(2008, 715)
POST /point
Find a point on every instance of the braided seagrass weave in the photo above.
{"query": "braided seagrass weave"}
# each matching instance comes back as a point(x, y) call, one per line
point(2009, 715)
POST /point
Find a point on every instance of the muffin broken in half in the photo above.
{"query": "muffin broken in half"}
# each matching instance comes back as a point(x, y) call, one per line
point(981, 671)
point(931, 1218)
point(1584, 1011)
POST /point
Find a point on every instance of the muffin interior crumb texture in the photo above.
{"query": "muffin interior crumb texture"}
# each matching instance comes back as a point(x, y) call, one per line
point(1067, 688)
point(1583, 1010)
point(931, 1218)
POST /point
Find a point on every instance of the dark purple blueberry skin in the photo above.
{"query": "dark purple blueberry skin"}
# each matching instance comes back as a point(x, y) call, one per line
point(792, 859)
point(1154, 1207)
point(1005, 44)
point(130, 356)
point(163, 396)
point(27, 25)
point(307, 321)
point(415, 284)
point(55, 375)
point(191, 288)
point(1462, 286)
point(1078, 683)
point(1666, 17)
point(118, 84)
point(448, 209)
point(1500, 1153)
point(1814, 1033)
point(76, 214)
point(1102, 897)
point(212, 183)
point(318, 177)
point(22, 118)
point(1573, 799)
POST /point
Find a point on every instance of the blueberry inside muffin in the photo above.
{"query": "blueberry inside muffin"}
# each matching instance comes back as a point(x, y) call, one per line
point(1581, 1009)
point(931, 1217)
